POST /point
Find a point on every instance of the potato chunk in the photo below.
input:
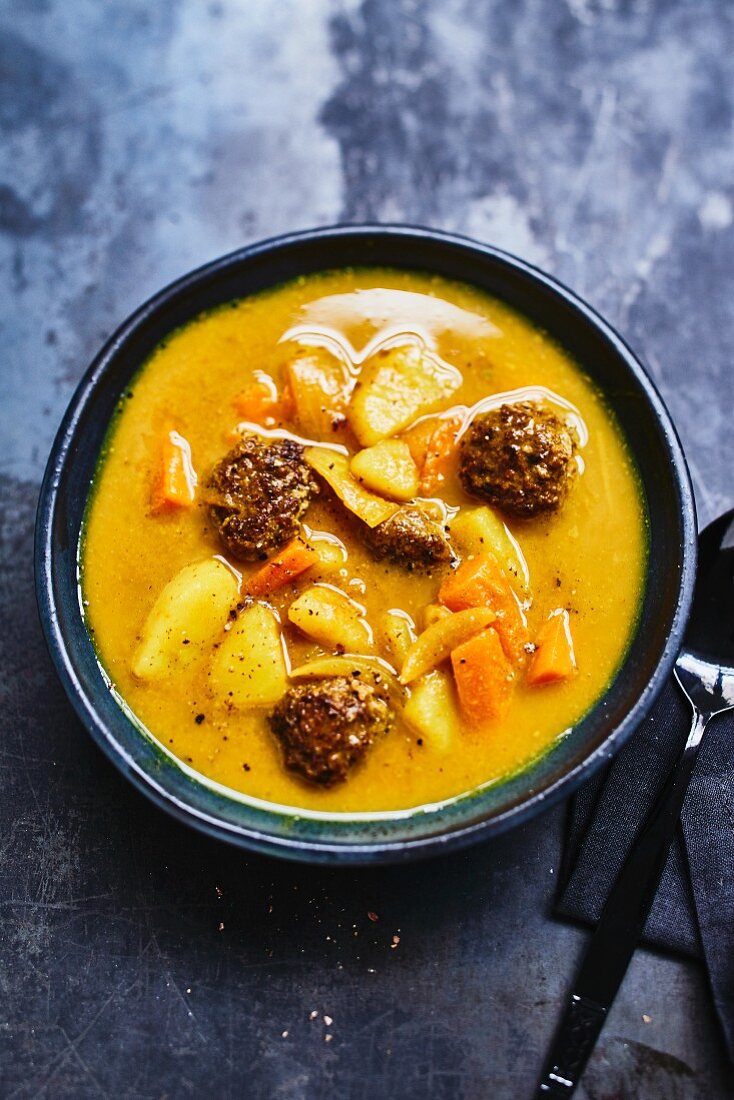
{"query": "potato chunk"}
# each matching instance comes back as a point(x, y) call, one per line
point(248, 669)
point(388, 469)
point(331, 551)
point(186, 619)
point(432, 710)
point(331, 618)
point(334, 469)
point(475, 530)
point(320, 385)
point(396, 386)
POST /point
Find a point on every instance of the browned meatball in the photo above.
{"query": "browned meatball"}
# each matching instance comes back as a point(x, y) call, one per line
point(325, 727)
point(409, 538)
point(521, 458)
point(257, 494)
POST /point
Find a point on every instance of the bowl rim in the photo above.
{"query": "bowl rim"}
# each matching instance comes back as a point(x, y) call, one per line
point(375, 850)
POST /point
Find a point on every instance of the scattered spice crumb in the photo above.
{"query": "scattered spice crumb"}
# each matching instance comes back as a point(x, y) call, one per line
point(646, 1019)
point(328, 1021)
point(328, 1037)
point(372, 915)
point(199, 719)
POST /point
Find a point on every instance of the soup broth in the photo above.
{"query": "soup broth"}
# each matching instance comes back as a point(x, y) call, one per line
point(229, 375)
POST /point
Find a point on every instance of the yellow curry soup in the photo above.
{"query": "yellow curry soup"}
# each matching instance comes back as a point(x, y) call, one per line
point(575, 570)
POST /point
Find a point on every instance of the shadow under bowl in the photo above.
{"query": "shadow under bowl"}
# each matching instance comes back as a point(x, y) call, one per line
point(385, 837)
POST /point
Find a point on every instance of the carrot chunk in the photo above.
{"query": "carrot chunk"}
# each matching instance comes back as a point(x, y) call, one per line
point(418, 438)
point(482, 582)
point(261, 403)
point(293, 559)
point(484, 677)
point(175, 483)
point(478, 582)
point(554, 659)
point(440, 452)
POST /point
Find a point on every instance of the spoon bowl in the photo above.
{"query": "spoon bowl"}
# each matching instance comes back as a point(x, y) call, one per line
point(710, 631)
point(705, 674)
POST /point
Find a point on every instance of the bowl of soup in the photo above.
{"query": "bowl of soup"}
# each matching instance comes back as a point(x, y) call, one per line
point(362, 543)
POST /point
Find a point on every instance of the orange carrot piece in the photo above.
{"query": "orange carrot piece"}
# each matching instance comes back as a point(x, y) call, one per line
point(175, 484)
point(293, 559)
point(260, 402)
point(441, 450)
point(418, 438)
point(482, 582)
point(484, 677)
point(554, 659)
point(478, 582)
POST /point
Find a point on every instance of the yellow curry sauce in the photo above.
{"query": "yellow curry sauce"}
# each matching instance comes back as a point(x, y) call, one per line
point(588, 558)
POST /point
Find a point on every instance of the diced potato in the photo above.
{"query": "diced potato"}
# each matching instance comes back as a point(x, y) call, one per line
point(396, 386)
point(331, 551)
point(433, 613)
point(331, 618)
point(437, 641)
point(334, 469)
point(396, 634)
point(432, 710)
point(186, 619)
point(249, 669)
point(388, 469)
point(475, 530)
point(320, 384)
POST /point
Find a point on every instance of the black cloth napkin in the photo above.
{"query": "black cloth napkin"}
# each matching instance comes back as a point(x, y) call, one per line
point(693, 912)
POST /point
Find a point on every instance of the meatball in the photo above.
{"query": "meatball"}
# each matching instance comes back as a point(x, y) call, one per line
point(520, 458)
point(325, 727)
point(257, 494)
point(409, 538)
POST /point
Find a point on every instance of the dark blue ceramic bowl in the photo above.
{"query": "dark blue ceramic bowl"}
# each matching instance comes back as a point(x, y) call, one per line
point(379, 837)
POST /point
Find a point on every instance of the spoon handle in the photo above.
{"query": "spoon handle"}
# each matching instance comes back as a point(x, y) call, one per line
point(619, 929)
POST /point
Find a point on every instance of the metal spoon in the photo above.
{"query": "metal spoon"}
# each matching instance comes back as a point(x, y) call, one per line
point(705, 672)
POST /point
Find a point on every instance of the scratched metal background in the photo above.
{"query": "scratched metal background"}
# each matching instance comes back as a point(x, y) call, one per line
point(593, 137)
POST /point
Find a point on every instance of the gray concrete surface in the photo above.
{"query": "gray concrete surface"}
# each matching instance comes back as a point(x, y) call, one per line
point(593, 137)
